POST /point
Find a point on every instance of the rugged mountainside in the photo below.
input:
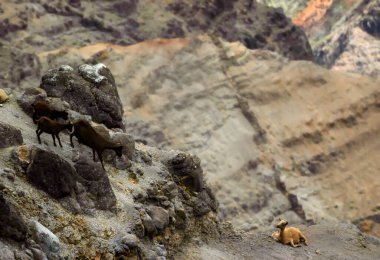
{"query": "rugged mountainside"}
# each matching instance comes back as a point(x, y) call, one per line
point(27, 28)
point(316, 17)
point(344, 34)
point(353, 45)
point(57, 203)
point(144, 209)
point(258, 131)
point(273, 127)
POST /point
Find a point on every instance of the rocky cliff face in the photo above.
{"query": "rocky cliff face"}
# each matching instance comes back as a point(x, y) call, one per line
point(344, 34)
point(353, 44)
point(59, 203)
point(262, 123)
point(263, 135)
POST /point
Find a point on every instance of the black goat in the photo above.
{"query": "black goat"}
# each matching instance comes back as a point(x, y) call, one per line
point(47, 125)
point(42, 108)
point(87, 135)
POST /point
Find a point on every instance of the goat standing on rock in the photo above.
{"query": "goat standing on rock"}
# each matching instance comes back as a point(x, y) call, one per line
point(52, 127)
point(290, 235)
point(87, 135)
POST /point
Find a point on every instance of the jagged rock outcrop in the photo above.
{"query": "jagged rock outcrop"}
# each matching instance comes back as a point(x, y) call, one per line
point(67, 206)
point(91, 91)
point(352, 45)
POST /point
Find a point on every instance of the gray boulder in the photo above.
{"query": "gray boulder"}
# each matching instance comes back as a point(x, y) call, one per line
point(159, 216)
point(188, 165)
point(51, 173)
point(11, 223)
point(95, 180)
point(9, 136)
point(45, 238)
point(91, 90)
point(30, 96)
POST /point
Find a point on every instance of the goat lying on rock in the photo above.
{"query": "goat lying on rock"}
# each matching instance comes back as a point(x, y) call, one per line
point(290, 235)
point(52, 127)
point(87, 135)
point(42, 108)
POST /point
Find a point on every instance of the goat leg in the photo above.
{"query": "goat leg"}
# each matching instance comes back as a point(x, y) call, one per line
point(71, 140)
point(35, 118)
point(101, 159)
point(304, 239)
point(38, 135)
point(54, 139)
point(59, 140)
point(293, 245)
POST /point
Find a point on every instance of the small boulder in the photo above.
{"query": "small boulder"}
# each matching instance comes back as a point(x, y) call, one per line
point(30, 96)
point(45, 238)
point(149, 226)
point(95, 180)
point(3, 96)
point(160, 217)
point(130, 240)
point(188, 165)
point(11, 223)
point(9, 136)
point(51, 173)
point(205, 202)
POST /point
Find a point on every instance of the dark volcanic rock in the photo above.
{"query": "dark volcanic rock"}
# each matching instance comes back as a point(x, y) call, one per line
point(96, 182)
point(160, 217)
point(371, 22)
point(186, 165)
point(205, 202)
point(11, 223)
point(91, 90)
point(30, 96)
point(252, 24)
point(9, 136)
point(51, 173)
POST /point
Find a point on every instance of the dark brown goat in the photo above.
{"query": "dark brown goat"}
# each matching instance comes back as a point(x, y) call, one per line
point(42, 108)
point(47, 125)
point(87, 135)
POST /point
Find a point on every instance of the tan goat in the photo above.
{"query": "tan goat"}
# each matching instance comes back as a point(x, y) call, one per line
point(290, 235)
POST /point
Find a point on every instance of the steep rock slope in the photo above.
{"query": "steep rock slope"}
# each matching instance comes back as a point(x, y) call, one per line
point(58, 203)
point(275, 136)
point(353, 44)
point(316, 17)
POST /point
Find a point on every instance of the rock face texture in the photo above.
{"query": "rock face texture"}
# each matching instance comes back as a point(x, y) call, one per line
point(353, 43)
point(9, 136)
point(344, 34)
point(45, 25)
point(91, 91)
point(59, 203)
point(272, 126)
point(11, 223)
